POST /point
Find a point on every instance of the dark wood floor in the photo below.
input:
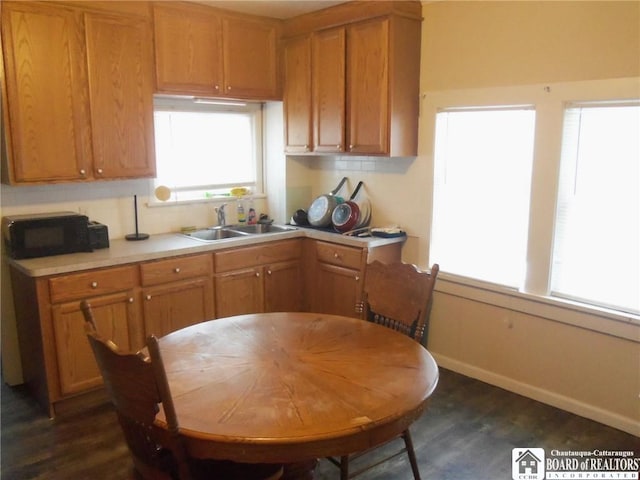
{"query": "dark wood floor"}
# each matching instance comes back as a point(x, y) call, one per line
point(467, 433)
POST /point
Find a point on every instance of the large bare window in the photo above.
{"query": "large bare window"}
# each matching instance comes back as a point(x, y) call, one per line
point(483, 161)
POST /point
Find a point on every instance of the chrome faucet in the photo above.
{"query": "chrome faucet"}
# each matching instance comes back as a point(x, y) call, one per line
point(222, 220)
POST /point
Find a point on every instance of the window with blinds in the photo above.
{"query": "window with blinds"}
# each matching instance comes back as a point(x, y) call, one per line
point(482, 182)
point(205, 147)
point(596, 251)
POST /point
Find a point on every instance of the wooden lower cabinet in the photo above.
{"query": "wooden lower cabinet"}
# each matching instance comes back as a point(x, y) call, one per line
point(177, 292)
point(283, 287)
point(337, 290)
point(238, 292)
point(173, 306)
point(57, 361)
point(115, 317)
point(264, 278)
point(338, 278)
point(157, 297)
point(335, 274)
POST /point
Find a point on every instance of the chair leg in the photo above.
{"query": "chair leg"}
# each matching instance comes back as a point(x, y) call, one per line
point(412, 455)
point(344, 468)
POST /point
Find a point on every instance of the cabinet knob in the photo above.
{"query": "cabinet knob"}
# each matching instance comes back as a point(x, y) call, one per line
point(228, 88)
point(100, 171)
point(130, 299)
point(257, 274)
point(177, 269)
point(94, 284)
point(83, 172)
point(335, 255)
point(357, 277)
point(148, 297)
point(338, 147)
point(351, 147)
point(268, 272)
point(217, 87)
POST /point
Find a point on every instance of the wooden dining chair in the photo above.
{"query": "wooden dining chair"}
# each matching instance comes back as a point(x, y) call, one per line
point(398, 296)
point(137, 385)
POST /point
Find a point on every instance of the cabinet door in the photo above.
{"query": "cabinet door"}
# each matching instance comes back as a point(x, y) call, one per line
point(238, 292)
point(120, 59)
point(116, 318)
point(337, 290)
point(329, 90)
point(250, 58)
point(48, 101)
point(297, 95)
point(368, 87)
point(282, 287)
point(177, 305)
point(188, 44)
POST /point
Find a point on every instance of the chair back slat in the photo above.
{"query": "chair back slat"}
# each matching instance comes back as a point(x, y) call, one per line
point(399, 296)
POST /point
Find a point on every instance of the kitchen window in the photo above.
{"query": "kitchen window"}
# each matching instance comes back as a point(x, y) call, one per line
point(483, 161)
point(596, 252)
point(205, 147)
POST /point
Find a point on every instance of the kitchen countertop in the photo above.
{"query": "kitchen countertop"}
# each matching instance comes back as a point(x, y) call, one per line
point(166, 245)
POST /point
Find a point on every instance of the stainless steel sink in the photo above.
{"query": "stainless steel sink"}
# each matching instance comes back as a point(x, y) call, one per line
point(260, 228)
point(213, 234)
point(232, 231)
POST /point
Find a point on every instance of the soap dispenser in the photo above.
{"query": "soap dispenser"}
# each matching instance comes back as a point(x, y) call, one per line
point(241, 215)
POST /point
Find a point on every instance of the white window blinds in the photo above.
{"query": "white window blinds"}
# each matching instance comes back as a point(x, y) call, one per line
point(596, 254)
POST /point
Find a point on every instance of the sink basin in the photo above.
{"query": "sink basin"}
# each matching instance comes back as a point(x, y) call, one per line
point(232, 231)
point(259, 228)
point(213, 234)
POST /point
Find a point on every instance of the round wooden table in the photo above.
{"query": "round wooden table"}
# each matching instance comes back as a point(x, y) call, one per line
point(288, 387)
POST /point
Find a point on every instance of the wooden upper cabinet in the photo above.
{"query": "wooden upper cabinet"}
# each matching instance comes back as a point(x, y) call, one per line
point(365, 72)
point(48, 128)
point(188, 48)
point(120, 59)
point(250, 58)
point(203, 51)
point(79, 89)
point(368, 87)
point(297, 95)
point(329, 107)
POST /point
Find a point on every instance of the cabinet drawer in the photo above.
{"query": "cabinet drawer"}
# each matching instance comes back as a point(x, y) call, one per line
point(178, 268)
point(339, 255)
point(260, 255)
point(92, 283)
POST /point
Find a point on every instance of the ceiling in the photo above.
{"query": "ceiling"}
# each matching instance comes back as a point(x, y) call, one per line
point(273, 8)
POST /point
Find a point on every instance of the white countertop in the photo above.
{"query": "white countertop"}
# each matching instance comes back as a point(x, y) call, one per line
point(166, 245)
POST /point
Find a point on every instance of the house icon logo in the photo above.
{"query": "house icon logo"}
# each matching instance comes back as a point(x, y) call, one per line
point(527, 463)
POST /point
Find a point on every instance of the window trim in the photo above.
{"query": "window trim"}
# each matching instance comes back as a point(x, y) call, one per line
point(549, 101)
point(169, 103)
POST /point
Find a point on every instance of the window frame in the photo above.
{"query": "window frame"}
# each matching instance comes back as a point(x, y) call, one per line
point(218, 191)
point(534, 297)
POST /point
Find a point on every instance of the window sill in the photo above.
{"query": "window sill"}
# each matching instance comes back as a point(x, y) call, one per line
point(216, 200)
point(602, 320)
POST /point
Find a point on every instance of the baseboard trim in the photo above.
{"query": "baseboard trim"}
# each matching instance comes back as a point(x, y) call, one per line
point(563, 402)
